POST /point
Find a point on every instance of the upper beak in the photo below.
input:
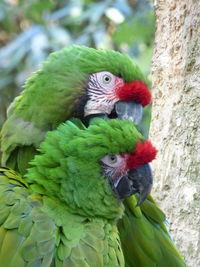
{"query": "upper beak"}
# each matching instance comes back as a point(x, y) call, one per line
point(129, 111)
point(142, 181)
point(138, 181)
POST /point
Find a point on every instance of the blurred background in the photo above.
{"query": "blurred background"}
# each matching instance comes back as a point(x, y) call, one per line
point(30, 30)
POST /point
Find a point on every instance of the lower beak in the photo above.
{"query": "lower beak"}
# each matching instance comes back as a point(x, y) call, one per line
point(129, 111)
point(123, 110)
point(137, 181)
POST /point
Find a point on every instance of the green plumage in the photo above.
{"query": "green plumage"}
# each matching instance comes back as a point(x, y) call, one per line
point(53, 95)
point(38, 231)
point(145, 239)
point(65, 213)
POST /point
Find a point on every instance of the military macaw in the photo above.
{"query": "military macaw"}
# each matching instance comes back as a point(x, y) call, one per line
point(64, 211)
point(86, 83)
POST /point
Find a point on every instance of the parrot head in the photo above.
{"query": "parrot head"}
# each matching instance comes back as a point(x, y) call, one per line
point(83, 82)
point(130, 172)
point(108, 95)
point(91, 170)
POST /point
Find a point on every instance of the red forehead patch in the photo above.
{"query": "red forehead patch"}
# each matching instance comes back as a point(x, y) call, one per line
point(144, 152)
point(135, 90)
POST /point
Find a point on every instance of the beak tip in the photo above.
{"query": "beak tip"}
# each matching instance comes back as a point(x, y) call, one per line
point(141, 200)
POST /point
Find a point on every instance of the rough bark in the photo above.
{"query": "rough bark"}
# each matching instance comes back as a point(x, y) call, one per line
point(175, 128)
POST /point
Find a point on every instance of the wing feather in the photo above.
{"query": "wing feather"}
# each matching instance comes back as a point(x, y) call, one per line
point(144, 236)
point(27, 234)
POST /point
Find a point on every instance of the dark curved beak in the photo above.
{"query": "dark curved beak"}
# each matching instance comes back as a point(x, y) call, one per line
point(138, 181)
point(129, 111)
point(142, 181)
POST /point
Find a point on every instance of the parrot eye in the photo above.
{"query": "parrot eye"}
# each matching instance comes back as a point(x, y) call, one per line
point(112, 160)
point(102, 80)
point(107, 78)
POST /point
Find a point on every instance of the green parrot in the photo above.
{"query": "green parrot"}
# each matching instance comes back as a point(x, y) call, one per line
point(76, 81)
point(64, 212)
point(85, 83)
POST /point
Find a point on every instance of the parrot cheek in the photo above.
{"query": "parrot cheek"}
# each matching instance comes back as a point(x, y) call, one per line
point(113, 109)
point(95, 107)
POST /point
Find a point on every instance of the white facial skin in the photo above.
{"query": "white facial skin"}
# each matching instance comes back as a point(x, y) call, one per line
point(102, 92)
point(115, 166)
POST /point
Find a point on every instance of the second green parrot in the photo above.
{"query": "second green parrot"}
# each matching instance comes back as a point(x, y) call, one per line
point(64, 212)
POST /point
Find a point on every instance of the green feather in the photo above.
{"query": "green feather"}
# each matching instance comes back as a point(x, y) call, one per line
point(52, 96)
point(145, 239)
point(73, 220)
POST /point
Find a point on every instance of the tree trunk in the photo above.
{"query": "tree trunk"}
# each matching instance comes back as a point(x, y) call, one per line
point(176, 121)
